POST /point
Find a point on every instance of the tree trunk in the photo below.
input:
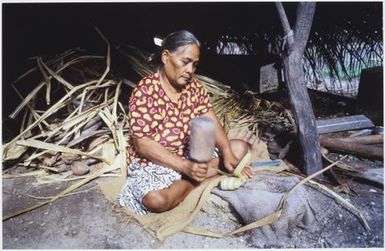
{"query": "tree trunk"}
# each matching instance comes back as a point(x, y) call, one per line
point(295, 80)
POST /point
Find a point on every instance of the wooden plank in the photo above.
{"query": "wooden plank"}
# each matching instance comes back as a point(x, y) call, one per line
point(343, 124)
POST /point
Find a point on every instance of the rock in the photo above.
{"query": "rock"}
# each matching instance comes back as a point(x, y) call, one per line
point(80, 168)
point(68, 158)
point(62, 167)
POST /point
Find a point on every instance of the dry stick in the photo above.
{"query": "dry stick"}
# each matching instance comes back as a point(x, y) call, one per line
point(73, 117)
point(345, 203)
point(122, 148)
point(80, 118)
point(26, 100)
point(115, 106)
point(46, 80)
point(66, 195)
point(86, 136)
point(64, 179)
point(106, 117)
point(128, 83)
point(106, 95)
point(83, 96)
point(35, 155)
point(57, 77)
point(341, 165)
point(33, 112)
point(23, 121)
point(56, 148)
point(44, 134)
point(40, 166)
point(267, 219)
point(75, 129)
point(33, 93)
point(66, 135)
point(11, 176)
point(57, 129)
point(76, 111)
point(55, 107)
point(122, 109)
point(93, 112)
point(52, 61)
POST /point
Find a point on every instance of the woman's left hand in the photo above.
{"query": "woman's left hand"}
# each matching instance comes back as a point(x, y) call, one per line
point(231, 162)
point(247, 172)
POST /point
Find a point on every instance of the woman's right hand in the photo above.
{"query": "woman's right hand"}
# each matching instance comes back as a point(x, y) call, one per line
point(196, 171)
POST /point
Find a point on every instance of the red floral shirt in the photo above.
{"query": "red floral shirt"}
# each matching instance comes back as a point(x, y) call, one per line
point(154, 115)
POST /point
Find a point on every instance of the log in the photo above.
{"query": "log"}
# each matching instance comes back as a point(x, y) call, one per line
point(366, 140)
point(354, 148)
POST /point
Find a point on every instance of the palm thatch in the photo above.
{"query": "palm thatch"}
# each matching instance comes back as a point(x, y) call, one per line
point(342, 52)
point(345, 39)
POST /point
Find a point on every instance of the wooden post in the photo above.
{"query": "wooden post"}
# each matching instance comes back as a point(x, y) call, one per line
point(295, 79)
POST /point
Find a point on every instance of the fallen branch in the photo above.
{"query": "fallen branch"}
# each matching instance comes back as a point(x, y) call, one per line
point(57, 148)
point(366, 140)
point(354, 148)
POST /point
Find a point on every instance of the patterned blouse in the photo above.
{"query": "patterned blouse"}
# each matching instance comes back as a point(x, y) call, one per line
point(154, 115)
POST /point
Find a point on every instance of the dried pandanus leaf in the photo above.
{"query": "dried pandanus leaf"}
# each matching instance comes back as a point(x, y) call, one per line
point(232, 183)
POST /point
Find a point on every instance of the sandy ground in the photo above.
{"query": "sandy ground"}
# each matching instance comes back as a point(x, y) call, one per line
point(89, 220)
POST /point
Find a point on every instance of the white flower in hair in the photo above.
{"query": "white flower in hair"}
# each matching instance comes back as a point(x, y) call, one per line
point(158, 41)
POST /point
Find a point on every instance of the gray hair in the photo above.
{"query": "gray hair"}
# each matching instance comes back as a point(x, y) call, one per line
point(178, 39)
point(172, 43)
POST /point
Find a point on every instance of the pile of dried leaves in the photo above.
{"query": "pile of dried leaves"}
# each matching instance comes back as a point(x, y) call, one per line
point(81, 132)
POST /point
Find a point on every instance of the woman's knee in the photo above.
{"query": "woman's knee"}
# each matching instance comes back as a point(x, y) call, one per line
point(155, 201)
point(239, 147)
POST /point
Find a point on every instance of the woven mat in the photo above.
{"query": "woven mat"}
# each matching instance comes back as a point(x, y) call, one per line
point(162, 225)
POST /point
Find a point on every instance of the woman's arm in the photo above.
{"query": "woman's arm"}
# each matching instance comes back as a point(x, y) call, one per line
point(155, 152)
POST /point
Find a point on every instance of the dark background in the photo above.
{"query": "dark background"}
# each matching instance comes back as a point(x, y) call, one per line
point(37, 29)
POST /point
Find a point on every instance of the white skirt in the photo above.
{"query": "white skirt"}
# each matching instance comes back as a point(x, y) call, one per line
point(142, 180)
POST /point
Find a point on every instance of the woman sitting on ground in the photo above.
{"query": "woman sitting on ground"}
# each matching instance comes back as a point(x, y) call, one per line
point(161, 108)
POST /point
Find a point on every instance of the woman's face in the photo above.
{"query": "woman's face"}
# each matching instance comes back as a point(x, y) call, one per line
point(180, 65)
